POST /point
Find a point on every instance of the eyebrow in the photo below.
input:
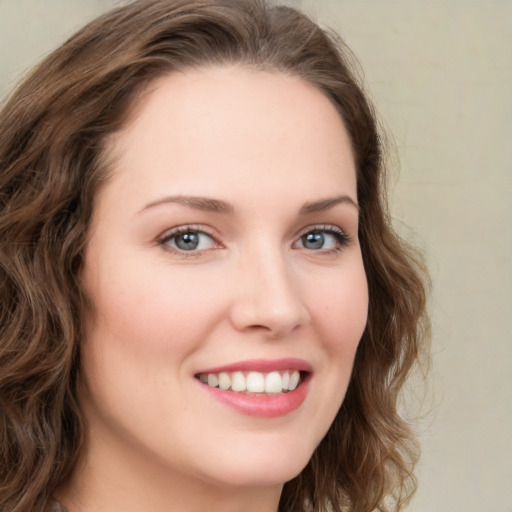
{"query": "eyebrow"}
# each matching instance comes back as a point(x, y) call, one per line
point(198, 203)
point(326, 204)
point(218, 206)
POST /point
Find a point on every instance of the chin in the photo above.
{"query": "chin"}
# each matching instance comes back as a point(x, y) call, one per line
point(269, 476)
point(263, 467)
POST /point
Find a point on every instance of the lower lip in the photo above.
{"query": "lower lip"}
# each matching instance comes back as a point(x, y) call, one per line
point(262, 406)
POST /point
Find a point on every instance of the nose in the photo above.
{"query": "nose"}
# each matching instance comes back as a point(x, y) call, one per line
point(268, 297)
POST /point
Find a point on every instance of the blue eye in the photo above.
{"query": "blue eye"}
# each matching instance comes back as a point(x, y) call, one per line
point(188, 240)
point(313, 241)
point(325, 239)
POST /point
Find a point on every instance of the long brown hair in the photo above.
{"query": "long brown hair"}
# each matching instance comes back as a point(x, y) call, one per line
point(53, 131)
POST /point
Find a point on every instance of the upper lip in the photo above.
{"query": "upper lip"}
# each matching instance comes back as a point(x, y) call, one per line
point(262, 365)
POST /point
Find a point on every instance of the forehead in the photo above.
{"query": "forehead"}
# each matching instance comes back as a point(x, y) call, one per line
point(237, 125)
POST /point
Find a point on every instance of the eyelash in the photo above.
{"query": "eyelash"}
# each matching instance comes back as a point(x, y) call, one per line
point(341, 239)
point(183, 230)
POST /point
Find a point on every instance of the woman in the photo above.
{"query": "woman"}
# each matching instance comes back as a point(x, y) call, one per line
point(204, 306)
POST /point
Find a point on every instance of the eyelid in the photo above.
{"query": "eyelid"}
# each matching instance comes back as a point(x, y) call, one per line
point(328, 228)
point(342, 238)
point(167, 235)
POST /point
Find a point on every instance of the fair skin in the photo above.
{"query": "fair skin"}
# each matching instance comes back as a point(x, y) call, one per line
point(264, 274)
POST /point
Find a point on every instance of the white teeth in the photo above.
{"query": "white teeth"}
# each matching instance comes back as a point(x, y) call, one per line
point(253, 382)
point(286, 380)
point(273, 383)
point(213, 380)
point(238, 382)
point(294, 380)
point(224, 381)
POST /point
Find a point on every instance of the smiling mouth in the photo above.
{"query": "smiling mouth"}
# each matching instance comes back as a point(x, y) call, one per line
point(253, 382)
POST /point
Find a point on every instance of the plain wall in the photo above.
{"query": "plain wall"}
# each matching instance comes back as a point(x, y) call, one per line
point(440, 74)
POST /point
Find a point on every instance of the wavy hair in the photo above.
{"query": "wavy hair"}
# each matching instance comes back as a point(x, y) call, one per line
point(53, 133)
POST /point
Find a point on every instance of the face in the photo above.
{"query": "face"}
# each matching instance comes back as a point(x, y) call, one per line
point(227, 281)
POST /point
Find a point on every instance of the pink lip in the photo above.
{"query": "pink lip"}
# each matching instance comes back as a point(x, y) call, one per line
point(262, 406)
point(262, 365)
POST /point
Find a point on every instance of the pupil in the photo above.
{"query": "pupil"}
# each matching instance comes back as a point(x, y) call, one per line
point(187, 241)
point(313, 240)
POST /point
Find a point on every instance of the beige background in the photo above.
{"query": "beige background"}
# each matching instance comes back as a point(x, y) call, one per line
point(440, 73)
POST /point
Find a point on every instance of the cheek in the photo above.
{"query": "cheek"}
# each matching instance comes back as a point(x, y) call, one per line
point(341, 320)
point(339, 313)
point(142, 330)
point(342, 312)
point(152, 310)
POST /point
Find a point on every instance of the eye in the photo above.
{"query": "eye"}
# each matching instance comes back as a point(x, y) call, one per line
point(325, 239)
point(188, 239)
